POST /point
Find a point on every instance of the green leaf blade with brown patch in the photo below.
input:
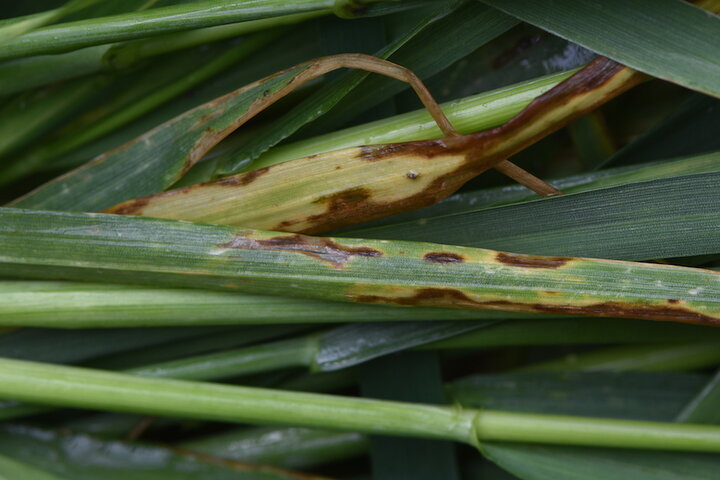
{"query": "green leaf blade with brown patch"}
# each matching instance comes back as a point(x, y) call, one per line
point(39, 244)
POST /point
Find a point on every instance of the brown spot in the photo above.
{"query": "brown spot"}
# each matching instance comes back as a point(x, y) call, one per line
point(452, 298)
point(443, 257)
point(241, 179)
point(429, 297)
point(324, 249)
point(131, 207)
point(550, 292)
point(341, 200)
point(673, 300)
point(531, 261)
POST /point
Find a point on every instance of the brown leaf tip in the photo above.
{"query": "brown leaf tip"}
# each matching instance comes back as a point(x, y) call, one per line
point(531, 261)
point(443, 257)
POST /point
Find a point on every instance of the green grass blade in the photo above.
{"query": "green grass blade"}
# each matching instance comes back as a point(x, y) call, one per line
point(82, 457)
point(631, 395)
point(688, 130)
point(129, 26)
point(573, 331)
point(668, 39)
point(181, 254)
point(408, 377)
point(595, 223)
point(703, 407)
point(125, 55)
point(283, 447)
point(164, 153)
point(295, 46)
point(645, 358)
point(214, 339)
point(11, 469)
point(27, 117)
point(533, 462)
point(67, 346)
point(92, 305)
point(166, 81)
point(21, 26)
point(351, 345)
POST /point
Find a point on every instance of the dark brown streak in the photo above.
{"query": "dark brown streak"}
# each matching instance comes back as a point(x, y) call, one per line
point(531, 261)
point(241, 179)
point(448, 297)
point(443, 257)
point(323, 249)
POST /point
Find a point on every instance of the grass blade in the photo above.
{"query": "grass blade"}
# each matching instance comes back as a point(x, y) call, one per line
point(590, 224)
point(93, 305)
point(283, 447)
point(703, 406)
point(670, 39)
point(82, 457)
point(181, 254)
point(129, 26)
point(11, 469)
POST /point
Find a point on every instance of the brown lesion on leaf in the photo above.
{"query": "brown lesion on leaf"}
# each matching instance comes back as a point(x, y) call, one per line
point(626, 310)
point(454, 298)
point(131, 207)
point(241, 179)
point(443, 257)
point(428, 297)
point(323, 249)
point(531, 261)
point(421, 149)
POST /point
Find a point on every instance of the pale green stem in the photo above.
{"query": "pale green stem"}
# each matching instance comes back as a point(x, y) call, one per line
point(85, 388)
point(594, 432)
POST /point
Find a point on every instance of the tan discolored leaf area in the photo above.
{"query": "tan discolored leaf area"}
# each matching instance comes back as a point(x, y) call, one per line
point(336, 189)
